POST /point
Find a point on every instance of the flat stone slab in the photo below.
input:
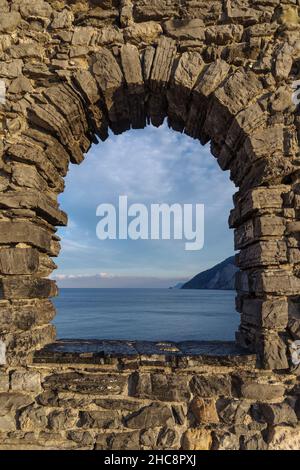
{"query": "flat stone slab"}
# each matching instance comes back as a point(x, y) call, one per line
point(144, 352)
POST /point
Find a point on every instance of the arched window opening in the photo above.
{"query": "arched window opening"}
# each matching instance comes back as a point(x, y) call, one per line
point(146, 289)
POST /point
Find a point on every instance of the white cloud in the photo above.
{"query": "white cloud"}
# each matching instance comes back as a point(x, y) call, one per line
point(149, 166)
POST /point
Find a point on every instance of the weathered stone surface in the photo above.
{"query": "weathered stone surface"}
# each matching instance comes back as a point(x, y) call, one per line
point(99, 419)
point(32, 50)
point(263, 253)
point(27, 288)
point(284, 438)
point(10, 402)
point(20, 85)
point(274, 414)
point(294, 325)
point(42, 204)
point(254, 442)
point(26, 381)
point(62, 19)
point(160, 387)
point(11, 69)
point(162, 64)
point(167, 438)
point(9, 21)
point(225, 441)
point(147, 32)
point(223, 72)
point(33, 418)
point(210, 386)
point(19, 231)
point(254, 390)
point(283, 61)
point(106, 384)
point(151, 416)
point(83, 438)
point(132, 69)
point(190, 66)
point(62, 419)
point(4, 382)
point(18, 261)
point(224, 34)
point(204, 410)
point(33, 155)
point(7, 423)
point(87, 84)
point(232, 411)
point(118, 441)
point(197, 439)
point(271, 313)
point(182, 29)
point(258, 228)
point(273, 351)
point(111, 83)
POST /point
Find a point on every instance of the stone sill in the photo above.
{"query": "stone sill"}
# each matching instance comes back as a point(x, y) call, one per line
point(183, 354)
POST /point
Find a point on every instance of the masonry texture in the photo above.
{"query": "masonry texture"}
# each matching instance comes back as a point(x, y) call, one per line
point(219, 71)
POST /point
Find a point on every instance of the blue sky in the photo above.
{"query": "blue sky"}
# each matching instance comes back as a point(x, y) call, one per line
point(149, 166)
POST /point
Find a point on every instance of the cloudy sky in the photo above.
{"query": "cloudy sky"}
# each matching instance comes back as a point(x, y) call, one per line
point(149, 166)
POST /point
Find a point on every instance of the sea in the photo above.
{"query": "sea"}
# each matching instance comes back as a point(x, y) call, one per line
point(146, 314)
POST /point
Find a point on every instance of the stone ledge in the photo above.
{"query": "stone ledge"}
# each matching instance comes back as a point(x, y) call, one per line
point(180, 354)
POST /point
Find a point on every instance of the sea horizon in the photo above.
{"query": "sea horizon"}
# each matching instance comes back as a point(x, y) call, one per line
point(146, 314)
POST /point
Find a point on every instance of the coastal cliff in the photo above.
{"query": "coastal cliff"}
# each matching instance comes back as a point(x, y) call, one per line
point(221, 276)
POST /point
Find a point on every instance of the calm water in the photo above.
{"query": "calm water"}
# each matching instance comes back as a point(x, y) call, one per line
point(146, 314)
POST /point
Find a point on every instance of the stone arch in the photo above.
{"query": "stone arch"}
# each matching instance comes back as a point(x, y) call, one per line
point(223, 75)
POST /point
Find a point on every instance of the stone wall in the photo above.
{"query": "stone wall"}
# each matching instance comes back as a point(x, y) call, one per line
point(220, 71)
point(158, 400)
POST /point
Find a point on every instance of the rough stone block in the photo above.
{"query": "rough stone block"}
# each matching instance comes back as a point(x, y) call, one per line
point(118, 441)
point(4, 382)
point(254, 442)
point(160, 387)
point(258, 228)
point(197, 439)
point(33, 418)
point(225, 441)
point(274, 414)
point(273, 351)
point(232, 411)
point(18, 261)
point(204, 410)
point(185, 29)
point(284, 438)
point(24, 232)
point(263, 253)
point(96, 384)
point(271, 313)
point(9, 21)
point(211, 385)
point(8, 423)
point(26, 381)
point(62, 419)
point(10, 402)
point(99, 419)
point(151, 416)
point(146, 32)
point(26, 288)
point(251, 389)
point(162, 64)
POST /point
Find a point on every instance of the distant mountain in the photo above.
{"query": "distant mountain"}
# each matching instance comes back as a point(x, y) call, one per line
point(221, 276)
point(177, 286)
